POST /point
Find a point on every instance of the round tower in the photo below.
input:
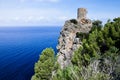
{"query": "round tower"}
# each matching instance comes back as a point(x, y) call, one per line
point(81, 13)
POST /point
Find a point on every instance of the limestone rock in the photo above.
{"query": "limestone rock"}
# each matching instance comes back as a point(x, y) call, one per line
point(68, 42)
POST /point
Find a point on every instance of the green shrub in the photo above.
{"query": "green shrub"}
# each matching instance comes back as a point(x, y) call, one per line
point(45, 65)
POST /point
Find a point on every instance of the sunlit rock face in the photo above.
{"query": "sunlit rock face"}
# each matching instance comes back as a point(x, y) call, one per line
point(68, 41)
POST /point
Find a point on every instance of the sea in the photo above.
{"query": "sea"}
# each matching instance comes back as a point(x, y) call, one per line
point(20, 48)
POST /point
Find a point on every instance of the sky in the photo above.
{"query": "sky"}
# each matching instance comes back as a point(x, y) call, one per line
point(54, 12)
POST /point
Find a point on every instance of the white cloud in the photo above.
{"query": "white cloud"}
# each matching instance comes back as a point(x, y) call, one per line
point(30, 16)
point(63, 18)
point(16, 18)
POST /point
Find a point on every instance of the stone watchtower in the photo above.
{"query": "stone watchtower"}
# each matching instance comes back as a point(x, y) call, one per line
point(68, 41)
point(81, 17)
point(81, 14)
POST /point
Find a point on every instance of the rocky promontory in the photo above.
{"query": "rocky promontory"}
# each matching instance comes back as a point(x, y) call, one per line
point(68, 41)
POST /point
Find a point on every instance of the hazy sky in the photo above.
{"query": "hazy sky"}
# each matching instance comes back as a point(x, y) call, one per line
point(53, 12)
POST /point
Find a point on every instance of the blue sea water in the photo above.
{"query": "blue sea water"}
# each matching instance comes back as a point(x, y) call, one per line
point(20, 48)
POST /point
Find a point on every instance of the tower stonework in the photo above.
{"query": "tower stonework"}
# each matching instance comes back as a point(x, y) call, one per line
point(81, 13)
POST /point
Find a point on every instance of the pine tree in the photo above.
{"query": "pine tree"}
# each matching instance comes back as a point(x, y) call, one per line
point(44, 66)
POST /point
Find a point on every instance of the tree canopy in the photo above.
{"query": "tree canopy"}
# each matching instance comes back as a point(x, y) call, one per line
point(44, 66)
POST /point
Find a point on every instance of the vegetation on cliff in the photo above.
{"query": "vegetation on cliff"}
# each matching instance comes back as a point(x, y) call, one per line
point(98, 58)
point(44, 66)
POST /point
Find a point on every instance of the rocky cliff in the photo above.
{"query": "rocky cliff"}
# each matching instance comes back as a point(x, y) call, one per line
point(68, 41)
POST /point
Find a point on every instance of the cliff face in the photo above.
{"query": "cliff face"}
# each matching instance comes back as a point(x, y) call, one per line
point(68, 41)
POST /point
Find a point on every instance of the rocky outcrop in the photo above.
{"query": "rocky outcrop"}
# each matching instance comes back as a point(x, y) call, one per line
point(68, 42)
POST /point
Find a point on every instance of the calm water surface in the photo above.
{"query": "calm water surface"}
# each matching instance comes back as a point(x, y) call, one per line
point(20, 49)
